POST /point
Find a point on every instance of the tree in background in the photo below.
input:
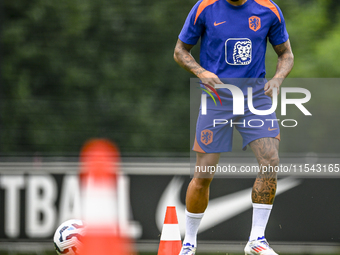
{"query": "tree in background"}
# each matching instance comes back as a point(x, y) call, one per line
point(72, 70)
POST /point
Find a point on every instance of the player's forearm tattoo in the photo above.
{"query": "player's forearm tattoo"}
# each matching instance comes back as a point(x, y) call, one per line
point(187, 61)
point(285, 61)
point(266, 152)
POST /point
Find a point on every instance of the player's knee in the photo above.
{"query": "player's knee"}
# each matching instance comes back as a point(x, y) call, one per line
point(201, 183)
point(207, 159)
point(271, 159)
point(274, 160)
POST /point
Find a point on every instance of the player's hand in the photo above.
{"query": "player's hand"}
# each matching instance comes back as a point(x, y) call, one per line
point(270, 85)
point(209, 78)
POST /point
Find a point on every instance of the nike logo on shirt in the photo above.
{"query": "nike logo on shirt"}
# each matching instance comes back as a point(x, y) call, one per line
point(216, 24)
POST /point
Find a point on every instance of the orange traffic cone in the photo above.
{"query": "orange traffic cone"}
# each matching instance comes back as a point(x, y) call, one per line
point(98, 178)
point(170, 243)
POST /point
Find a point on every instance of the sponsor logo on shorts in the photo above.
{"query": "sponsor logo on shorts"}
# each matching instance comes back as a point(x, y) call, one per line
point(207, 136)
point(254, 23)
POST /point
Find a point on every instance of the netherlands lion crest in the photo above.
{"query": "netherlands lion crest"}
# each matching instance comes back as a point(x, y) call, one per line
point(242, 53)
point(238, 51)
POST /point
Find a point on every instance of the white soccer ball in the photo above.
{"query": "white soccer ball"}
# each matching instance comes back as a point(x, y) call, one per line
point(68, 237)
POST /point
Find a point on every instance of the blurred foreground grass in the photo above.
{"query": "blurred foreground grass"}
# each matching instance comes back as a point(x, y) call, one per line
point(223, 253)
point(152, 253)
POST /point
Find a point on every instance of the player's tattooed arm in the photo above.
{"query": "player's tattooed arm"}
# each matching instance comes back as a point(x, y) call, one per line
point(184, 58)
point(285, 61)
point(266, 152)
point(285, 64)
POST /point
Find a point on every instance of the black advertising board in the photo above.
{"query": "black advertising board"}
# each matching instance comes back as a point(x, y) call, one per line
point(33, 204)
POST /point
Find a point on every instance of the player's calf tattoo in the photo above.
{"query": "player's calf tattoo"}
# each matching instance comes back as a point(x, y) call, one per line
point(266, 152)
point(264, 190)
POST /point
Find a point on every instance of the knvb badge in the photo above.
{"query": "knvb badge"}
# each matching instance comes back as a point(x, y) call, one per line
point(254, 23)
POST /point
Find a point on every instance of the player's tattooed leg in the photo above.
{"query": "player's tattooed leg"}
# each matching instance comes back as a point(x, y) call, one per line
point(266, 153)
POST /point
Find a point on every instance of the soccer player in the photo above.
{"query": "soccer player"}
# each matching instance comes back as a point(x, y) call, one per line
point(233, 45)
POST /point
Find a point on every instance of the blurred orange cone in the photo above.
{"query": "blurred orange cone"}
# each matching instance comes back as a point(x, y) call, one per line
point(98, 177)
point(170, 243)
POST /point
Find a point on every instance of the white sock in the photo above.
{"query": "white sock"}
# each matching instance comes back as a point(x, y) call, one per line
point(192, 222)
point(261, 214)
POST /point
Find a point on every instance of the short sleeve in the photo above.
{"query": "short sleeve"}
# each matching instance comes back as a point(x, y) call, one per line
point(193, 27)
point(278, 33)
